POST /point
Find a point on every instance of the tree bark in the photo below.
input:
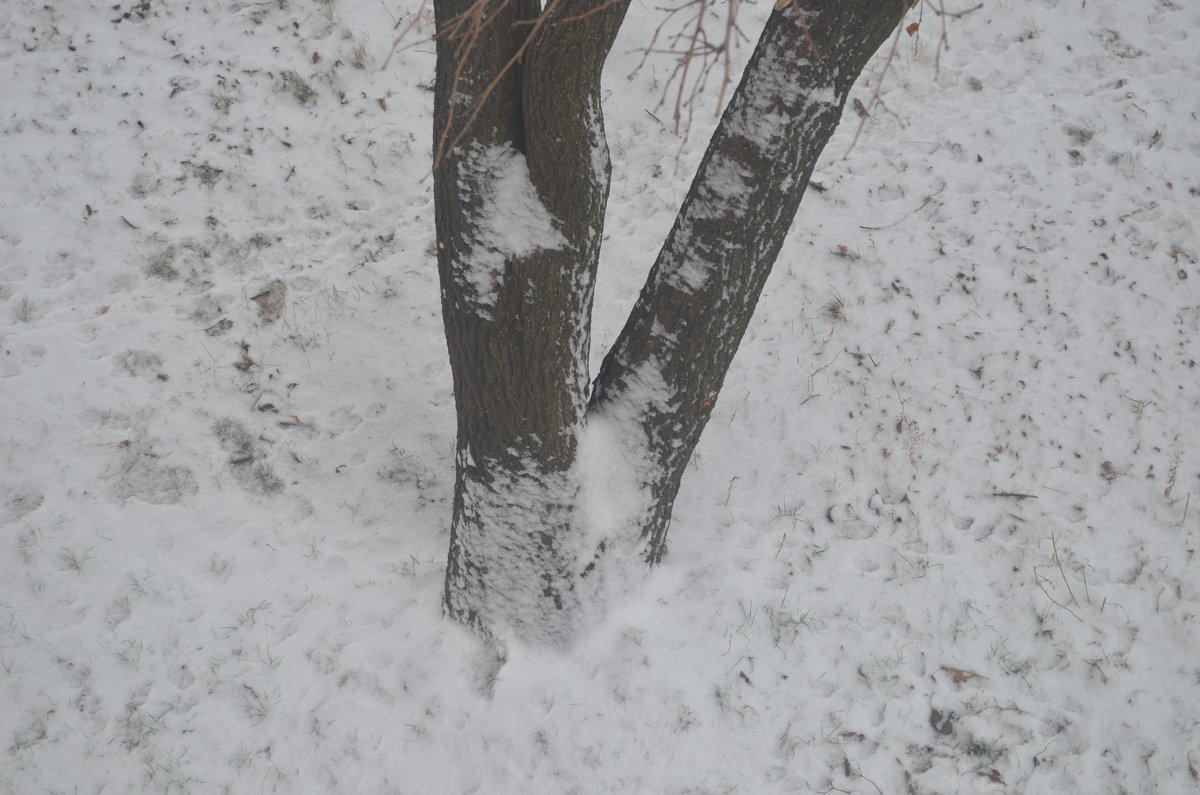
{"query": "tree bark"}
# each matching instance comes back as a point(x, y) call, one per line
point(521, 182)
point(519, 199)
point(669, 362)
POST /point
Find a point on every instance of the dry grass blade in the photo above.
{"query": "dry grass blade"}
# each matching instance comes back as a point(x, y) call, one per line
point(1058, 560)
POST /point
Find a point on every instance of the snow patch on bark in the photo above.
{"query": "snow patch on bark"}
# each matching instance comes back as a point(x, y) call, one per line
point(508, 223)
point(727, 183)
point(688, 270)
point(539, 557)
point(761, 116)
point(514, 569)
point(616, 467)
point(769, 103)
point(613, 496)
point(600, 159)
point(724, 191)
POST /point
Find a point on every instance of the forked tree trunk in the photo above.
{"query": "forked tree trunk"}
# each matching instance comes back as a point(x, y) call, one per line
point(562, 489)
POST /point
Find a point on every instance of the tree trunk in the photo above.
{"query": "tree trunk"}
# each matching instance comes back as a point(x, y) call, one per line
point(544, 520)
point(519, 222)
point(668, 364)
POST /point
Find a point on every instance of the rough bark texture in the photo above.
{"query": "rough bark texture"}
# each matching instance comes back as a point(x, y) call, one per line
point(702, 290)
point(520, 182)
point(518, 318)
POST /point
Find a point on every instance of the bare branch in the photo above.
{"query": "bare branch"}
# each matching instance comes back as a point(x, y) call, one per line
point(416, 20)
point(874, 100)
point(944, 40)
point(692, 44)
point(943, 44)
point(464, 31)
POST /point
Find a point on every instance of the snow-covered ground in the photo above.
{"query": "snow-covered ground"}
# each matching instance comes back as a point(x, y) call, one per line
point(936, 539)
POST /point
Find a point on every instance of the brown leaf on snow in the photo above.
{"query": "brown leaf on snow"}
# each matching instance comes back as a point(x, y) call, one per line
point(958, 675)
point(219, 328)
point(992, 775)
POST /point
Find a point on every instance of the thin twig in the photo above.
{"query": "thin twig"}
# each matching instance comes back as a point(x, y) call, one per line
point(927, 200)
point(905, 5)
point(396, 42)
point(944, 39)
point(1038, 580)
point(464, 30)
point(692, 43)
point(593, 11)
point(1058, 560)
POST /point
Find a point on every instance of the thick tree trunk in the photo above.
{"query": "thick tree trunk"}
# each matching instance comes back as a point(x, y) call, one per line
point(542, 516)
point(520, 189)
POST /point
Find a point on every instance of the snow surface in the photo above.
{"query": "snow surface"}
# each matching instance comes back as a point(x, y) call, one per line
point(937, 537)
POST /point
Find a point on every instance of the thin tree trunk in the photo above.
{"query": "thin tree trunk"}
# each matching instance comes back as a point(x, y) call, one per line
point(667, 366)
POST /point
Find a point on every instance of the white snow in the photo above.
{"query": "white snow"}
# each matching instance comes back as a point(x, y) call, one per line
point(511, 556)
point(511, 222)
point(938, 537)
point(614, 466)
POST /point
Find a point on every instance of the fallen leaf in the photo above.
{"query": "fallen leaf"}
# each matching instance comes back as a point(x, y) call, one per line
point(991, 774)
point(913, 28)
point(941, 723)
point(958, 675)
point(219, 328)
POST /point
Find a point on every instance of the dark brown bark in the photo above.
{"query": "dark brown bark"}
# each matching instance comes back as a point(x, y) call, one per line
point(518, 318)
point(518, 120)
point(702, 290)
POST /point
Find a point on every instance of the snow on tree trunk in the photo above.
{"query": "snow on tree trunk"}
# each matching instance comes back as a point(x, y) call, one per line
point(557, 498)
point(702, 290)
point(519, 200)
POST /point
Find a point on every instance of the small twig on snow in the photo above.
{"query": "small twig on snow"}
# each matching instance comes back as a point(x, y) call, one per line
point(1038, 579)
point(1058, 560)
